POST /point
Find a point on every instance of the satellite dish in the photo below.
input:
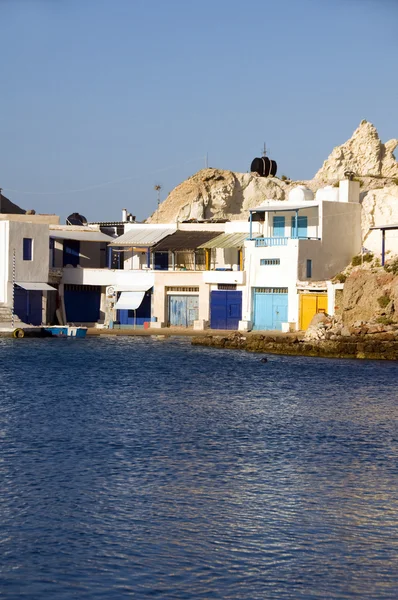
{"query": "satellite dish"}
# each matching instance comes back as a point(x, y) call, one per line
point(76, 219)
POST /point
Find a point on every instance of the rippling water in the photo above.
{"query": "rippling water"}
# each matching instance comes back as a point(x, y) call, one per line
point(135, 468)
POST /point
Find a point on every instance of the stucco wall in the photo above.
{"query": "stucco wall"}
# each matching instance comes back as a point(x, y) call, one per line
point(35, 270)
point(165, 279)
point(341, 240)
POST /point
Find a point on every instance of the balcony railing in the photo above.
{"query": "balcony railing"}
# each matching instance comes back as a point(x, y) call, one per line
point(280, 241)
point(271, 241)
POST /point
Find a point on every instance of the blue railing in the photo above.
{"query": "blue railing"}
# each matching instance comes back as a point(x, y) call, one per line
point(271, 241)
point(279, 241)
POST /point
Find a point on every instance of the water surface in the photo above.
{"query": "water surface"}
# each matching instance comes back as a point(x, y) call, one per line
point(141, 468)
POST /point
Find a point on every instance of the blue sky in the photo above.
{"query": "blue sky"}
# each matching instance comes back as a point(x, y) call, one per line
point(136, 92)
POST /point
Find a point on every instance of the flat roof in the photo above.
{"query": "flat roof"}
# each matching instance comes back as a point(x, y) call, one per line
point(284, 205)
point(82, 236)
point(392, 226)
point(143, 236)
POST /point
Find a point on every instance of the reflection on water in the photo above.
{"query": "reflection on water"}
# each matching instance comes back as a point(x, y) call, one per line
point(137, 468)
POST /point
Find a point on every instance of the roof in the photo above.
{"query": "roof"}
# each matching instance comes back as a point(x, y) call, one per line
point(392, 226)
point(284, 205)
point(226, 240)
point(82, 236)
point(144, 236)
point(185, 240)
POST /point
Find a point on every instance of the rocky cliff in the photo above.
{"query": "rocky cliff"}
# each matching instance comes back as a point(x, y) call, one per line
point(214, 193)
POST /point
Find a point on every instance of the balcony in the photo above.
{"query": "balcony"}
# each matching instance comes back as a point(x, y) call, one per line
point(279, 241)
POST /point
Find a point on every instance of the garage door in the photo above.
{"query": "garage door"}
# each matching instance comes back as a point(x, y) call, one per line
point(225, 309)
point(82, 303)
point(310, 305)
point(183, 310)
point(28, 305)
point(270, 308)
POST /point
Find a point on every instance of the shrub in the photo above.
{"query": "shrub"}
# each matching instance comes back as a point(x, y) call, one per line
point(359, 258)
point(377, 262)
point(392, 266)
point(383, 301)
point(340, 277)
point(285, 178)
point(384, 321)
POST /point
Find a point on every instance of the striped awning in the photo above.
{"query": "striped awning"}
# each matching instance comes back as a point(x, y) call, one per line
point(226, 240)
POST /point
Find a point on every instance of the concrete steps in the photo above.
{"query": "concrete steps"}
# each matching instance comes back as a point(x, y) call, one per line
point(6, 316)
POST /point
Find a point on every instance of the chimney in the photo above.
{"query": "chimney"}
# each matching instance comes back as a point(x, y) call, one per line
point(349, 191)
point(124, 215)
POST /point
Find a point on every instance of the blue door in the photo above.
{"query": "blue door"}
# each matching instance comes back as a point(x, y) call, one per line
point(225, 309)
point(139, 316)
point(82, 303)
point(270, 308)
point(278, 227)
point(183, 310)
point(28, 305)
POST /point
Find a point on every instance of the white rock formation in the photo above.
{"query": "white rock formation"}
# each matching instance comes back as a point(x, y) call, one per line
point(364, 154)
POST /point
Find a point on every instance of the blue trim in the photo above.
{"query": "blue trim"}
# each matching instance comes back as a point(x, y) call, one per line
point(27, 248)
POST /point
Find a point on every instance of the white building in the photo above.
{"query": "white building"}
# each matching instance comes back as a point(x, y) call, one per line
point(24, 267)
point(304, 243)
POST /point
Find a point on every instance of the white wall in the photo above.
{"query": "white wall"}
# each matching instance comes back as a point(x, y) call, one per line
point(165, 279)
point(283, 275)
point(3, 260)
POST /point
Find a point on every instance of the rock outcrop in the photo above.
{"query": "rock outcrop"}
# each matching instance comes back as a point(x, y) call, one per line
point(370, 295)
point(218, 194)
point(364, 154)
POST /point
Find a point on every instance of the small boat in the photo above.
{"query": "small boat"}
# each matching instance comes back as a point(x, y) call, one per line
point(66, 331)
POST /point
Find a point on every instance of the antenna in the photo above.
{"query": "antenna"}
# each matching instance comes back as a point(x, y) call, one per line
point(157, 189)
point(265, 150)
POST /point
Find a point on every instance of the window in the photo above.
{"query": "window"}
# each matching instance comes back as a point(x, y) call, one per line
point(279, 227)
point(309, 268)
point(302, 230)
point(27, 249)
point(226, 286)
point(270, 261)
point(267, 290)
point(71, 253)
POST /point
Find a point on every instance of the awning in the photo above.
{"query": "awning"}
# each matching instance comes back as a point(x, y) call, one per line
point(185, 240)
point(143, 236)
point(226, 240)
point(81, 236)
point(33, 285)
point(130, 300)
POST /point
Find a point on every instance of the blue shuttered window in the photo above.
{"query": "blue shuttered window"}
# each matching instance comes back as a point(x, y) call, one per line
point(279, 227)
point(302, 227)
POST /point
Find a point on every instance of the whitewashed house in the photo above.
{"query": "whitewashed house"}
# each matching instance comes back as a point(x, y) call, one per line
point(24, 268)
point(304, 242)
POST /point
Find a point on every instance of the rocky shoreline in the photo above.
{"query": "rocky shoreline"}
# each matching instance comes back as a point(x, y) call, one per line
point(380, 345)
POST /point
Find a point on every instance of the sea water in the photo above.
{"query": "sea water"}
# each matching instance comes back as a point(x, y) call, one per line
point(147, 468)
